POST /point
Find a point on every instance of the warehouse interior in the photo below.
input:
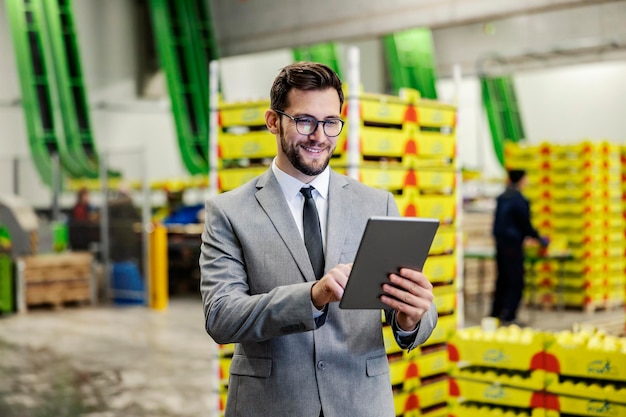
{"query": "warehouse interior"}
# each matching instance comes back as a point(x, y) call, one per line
point(148, 107)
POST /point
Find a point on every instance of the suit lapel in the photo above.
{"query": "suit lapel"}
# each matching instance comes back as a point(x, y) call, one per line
point(270, 197)
point(339, 215)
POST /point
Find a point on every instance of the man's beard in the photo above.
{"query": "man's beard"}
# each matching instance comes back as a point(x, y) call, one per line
point(291, 151)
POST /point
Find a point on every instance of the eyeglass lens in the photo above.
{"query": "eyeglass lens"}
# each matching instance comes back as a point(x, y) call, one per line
point(308, 125)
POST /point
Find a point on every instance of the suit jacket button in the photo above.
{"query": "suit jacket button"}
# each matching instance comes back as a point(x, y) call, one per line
point(321, 365)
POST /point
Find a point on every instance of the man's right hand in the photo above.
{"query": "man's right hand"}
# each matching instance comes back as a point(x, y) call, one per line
point(330, 287)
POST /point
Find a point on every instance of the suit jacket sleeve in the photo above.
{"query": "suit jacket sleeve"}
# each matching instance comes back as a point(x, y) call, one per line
point(235, 312)
point(423, 332)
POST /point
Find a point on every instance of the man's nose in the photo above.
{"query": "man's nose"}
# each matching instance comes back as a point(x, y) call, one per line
point(318, 133)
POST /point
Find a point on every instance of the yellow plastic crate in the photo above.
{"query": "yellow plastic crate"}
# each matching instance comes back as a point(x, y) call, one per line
point(535, 164)
point(614, 249)
point(386, 142)
point(614, 220)
point(537, 192)
point(223, 395)
point(410, 373)
point(589, 297)
point(442, 207)
point(605, 362)
point(615, 296)
point(380, 108)
point(495, 393)
point(443, 332)
point(460, 409)
point(589, 407)
point(441, 180)
point(505, 348)
point(587, 252)
point(440, 268)
point(395, 178)
point(226, 350)
point(433, 144)
point(406, 202)
point(535, 380)
point(587, 237)
point(616, 279)
point(399, 177)
point(616, 264)
point(243, 113)
point(582, 267)
point(232, 178)
point(391, 346)
point(520, 151)
point(249, 145)
point(441, 411)
point(445, 298)
point(434, 363)
point(399, 373)
point(224, 370)
point(444, 242)
point(585, 178)
point(410, 403)
point(433, 114)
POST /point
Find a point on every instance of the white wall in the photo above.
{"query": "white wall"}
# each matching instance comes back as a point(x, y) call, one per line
point(249, 77)
point(570, 104)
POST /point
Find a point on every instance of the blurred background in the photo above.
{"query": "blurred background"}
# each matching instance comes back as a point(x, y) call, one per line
point(118, 118)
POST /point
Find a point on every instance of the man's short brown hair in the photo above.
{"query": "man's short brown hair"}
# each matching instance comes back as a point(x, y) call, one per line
point(303, 76)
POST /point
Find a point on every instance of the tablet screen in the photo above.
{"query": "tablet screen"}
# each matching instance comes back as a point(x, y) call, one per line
point(388, 244)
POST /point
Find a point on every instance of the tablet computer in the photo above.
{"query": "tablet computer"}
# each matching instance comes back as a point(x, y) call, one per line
point(388, 244)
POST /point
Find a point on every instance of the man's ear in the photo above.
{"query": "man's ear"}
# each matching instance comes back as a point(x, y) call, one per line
point(271, 121)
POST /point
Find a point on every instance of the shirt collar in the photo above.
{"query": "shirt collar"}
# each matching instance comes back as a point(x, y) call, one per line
point(291, 186)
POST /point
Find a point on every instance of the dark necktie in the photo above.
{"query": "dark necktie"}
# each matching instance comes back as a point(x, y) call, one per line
point(312, 232)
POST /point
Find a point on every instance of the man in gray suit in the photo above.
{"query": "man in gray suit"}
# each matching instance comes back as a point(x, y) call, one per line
point(297, 353)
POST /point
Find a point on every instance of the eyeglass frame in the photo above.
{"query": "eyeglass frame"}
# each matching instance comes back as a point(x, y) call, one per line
point(317, 123)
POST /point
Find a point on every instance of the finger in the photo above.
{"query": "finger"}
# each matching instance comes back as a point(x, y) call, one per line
point(399, 294)
point(416, 276)
point(406, 284)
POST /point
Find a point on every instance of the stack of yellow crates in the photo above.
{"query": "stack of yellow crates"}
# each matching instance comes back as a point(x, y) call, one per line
point(498, 372)
point(623, 163)
point(225, 357)
point(245, 147)
point(407, 146)
point(576, 195)
point(523, 372)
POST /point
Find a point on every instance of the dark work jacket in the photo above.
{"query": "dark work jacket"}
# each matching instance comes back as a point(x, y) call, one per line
point(512, 218)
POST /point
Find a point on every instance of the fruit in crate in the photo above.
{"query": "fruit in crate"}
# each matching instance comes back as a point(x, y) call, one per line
point(586, 339)
point(505, 334)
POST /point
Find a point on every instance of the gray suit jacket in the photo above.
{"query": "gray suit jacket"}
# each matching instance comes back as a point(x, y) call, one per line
point(256, 281)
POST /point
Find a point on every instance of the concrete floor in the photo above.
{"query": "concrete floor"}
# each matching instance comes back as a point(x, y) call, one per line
point(163, 362)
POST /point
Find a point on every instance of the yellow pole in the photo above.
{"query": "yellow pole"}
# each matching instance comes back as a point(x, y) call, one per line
point(158, 268)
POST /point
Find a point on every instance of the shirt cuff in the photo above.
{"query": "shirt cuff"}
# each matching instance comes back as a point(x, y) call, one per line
point(403, 333)
point(317, 313)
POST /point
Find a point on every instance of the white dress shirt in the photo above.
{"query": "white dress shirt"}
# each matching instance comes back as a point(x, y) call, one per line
point(291, 189)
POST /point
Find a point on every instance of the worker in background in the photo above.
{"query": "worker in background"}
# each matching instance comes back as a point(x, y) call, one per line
point(511, 226)
point(296, 352)
point(124, 226)
point(82, 227)
point(82, 209)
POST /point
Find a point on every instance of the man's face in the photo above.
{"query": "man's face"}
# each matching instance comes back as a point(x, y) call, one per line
point(306, 156)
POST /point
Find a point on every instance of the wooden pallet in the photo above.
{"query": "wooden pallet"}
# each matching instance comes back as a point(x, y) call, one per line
point(615, 326)
point(56, 280)
point(590, 308)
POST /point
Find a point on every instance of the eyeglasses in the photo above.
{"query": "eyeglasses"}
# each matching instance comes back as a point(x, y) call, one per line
point(307, 125)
